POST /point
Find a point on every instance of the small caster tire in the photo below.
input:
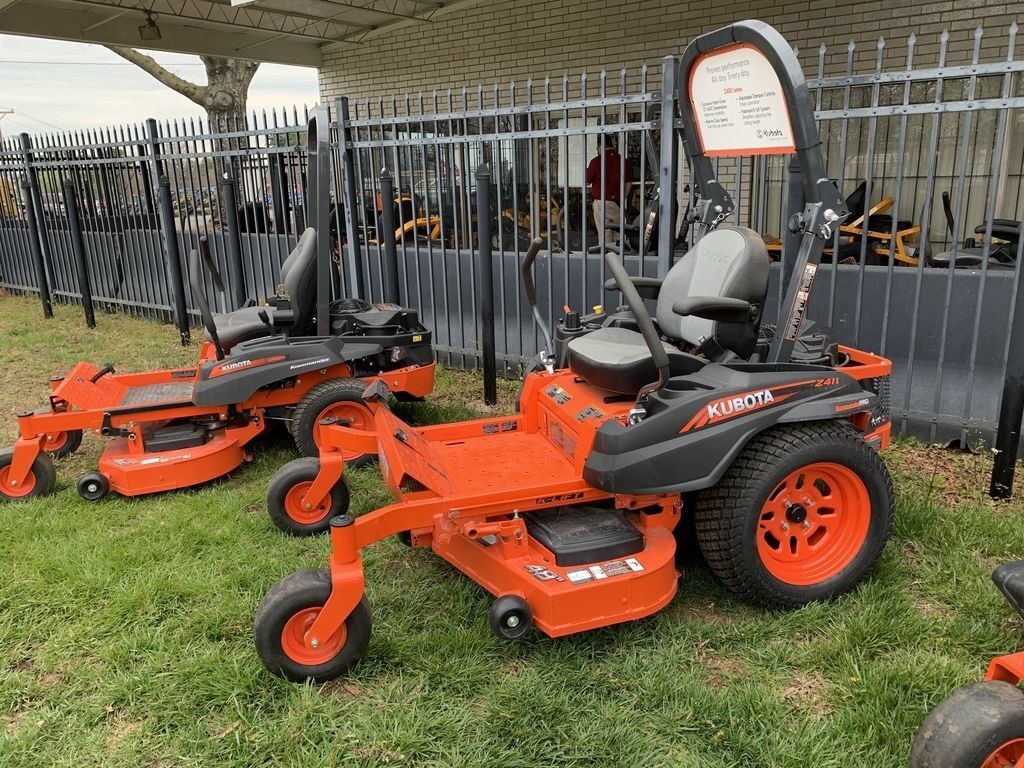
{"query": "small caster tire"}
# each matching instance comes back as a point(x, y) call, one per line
point(510, 617)
point(61, 444)
point(40, 481)
point(285, 615)
point(93, 486)
point(284, 499)
point(978, 726)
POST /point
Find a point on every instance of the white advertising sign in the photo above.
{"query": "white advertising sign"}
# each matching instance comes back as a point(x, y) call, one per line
point(738, 104)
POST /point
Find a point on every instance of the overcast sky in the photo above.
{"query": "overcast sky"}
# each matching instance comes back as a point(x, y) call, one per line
point(89, 86)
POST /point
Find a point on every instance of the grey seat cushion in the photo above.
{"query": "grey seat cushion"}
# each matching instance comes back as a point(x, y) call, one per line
point(241, 325)
point(617, 359)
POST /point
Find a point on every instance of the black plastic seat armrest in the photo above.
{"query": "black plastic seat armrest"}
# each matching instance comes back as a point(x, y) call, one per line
point(647, 287)
point(282, 317)
point(715, 308)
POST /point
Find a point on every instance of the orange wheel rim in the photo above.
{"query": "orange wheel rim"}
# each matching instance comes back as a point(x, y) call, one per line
point(355, 416)
point(23, 488)
point(295, 507)
point(813, 524)
point(1007, 755)
point(293, 640)
point(54, 441)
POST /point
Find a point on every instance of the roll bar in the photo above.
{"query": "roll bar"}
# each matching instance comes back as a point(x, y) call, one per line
point(824, 206)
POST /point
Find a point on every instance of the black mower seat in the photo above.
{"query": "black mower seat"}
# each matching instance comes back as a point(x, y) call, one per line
point(298, 276)
point(730, 262)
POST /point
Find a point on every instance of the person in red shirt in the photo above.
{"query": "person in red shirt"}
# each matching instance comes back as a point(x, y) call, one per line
point(607, 189)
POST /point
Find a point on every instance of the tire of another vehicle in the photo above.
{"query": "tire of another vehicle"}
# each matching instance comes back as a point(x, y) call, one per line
point(285, 491)
point(340, 398)
point(774, 551)
point(63, 444)
point(283, 617)
point(41, 479)
point(978, 726)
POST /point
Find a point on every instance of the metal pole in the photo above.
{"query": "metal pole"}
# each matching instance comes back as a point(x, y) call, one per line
point(348, 179)
point(78, 247)
point(168, 235)
point(389, 278)
point(794, 204)
point(279, 193)
point(667, 166)
point(37, 254)
point(236, 273)
point(318, 206)
point(37, 225)
point(1011, 406)
point(483, 196)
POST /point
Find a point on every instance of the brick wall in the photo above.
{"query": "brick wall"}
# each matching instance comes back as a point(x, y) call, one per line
point(501, 40)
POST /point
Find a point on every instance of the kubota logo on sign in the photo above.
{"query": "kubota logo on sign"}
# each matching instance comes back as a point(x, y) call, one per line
point(725, 408)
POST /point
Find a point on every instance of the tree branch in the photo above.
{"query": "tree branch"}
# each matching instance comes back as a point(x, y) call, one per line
point(148, 64)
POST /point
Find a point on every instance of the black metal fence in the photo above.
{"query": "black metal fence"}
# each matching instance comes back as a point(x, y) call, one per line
point(928, 279)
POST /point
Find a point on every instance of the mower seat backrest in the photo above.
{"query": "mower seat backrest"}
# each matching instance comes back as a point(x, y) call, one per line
point(298, 274)
point(729, 262)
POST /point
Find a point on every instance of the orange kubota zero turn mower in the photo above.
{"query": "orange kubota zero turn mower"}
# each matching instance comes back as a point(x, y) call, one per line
point(981, 725)
point(568, 511)
point(181, 427)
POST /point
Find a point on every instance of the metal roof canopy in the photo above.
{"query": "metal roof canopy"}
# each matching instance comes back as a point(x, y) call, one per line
point(281, 31)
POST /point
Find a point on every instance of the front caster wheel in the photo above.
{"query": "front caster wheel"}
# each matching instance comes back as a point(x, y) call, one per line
point(285, 499)
point(93, 486)
point(510, 617)
point(285, 616)
point(978, 726)
point(40, 480)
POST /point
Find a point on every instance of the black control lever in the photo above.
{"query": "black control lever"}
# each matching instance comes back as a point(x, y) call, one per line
point(261, 313)
point(209, 263)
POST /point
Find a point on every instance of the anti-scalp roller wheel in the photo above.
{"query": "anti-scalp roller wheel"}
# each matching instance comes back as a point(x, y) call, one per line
point(510, 617)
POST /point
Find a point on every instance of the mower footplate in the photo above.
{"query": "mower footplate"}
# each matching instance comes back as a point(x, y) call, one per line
point(174, 392)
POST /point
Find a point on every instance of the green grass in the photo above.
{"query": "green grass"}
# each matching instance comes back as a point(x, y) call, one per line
point(125, 626)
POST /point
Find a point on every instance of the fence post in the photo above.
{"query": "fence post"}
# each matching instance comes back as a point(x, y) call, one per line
point(1011, 405)
point(483, 197)
point(236, 273)
point(36, 219)
point(667, 166)
point(78, 247)
point(389, 278)
point(168, 235)
point(37, 254)
point(348, 186)
point(279, 193)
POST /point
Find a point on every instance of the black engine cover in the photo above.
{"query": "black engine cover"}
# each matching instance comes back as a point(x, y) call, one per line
point(579, 535)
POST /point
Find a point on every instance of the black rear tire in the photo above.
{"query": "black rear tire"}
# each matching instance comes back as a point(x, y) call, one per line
point(967, 727)
point(729, 516)
point(309, 411)
point(299, 596)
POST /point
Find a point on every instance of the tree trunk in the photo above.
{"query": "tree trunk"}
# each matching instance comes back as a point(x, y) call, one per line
point(224, 95)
